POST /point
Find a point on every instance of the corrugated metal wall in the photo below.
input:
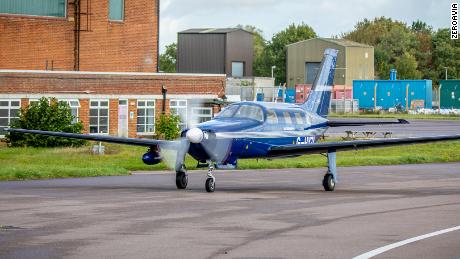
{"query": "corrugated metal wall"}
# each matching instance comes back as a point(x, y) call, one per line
point(450, 94)
point(201, 53)
point(388, 94)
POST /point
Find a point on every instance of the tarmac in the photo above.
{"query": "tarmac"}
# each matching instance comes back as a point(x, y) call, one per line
point(252, 214)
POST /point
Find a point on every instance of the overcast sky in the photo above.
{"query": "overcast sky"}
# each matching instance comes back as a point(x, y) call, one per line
point(327, 18)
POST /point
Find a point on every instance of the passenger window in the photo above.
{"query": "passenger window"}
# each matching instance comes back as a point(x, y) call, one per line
point(287, 118)
point(299, 118)
point(271, 117)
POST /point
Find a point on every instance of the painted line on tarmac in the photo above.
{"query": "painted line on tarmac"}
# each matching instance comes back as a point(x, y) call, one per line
point(386, 248)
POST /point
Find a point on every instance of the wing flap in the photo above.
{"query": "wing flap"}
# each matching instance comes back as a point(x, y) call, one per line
point(102, 138)
point(288, 150)
point(344, 123)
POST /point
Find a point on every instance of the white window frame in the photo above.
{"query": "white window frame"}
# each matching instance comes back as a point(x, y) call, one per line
point(99, 107)
point(195, 115)
point(9, 110)
point(183, 124)
point(69, 102)
point(145, 108)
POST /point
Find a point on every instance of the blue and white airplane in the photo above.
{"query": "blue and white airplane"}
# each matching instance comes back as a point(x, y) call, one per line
point(260, 130)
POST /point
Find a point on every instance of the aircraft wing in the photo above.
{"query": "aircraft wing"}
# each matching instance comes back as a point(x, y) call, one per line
point(343, 123)
point(293, 150)
point(102, 138)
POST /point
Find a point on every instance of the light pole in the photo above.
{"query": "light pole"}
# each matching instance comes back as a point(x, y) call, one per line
point(446, 71)
point(274, 85)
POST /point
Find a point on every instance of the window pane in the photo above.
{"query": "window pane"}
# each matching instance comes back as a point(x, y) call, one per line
point(15, 104)
point(2, 131)
point(140, 120)
point(3, 113)
point(287, 118)
point(237, 69)
point(150, 120)
point(140, 128)
point(151, 104)
point(103, 121)
point(141, 103)
point(140, 112)
point(173, 103)
point(94, 104)
point(4, 103)
point(3, 121)
point(14, 113)
point(150, 112)
point(74, 104)
point(55, 8)
point(93, 112)
point(104, 104)
point(103, 129)
point(93, 129)
point(116, 10)
point(150, 128)
point(93, 121)
point(122, 102)
point(103, 112)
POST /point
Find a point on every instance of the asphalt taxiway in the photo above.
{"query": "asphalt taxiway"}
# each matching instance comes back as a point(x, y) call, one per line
point(252, 214)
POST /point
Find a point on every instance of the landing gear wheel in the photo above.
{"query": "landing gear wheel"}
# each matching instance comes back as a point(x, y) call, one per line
point(181, 180)
point(210, 185)
point(329, 183)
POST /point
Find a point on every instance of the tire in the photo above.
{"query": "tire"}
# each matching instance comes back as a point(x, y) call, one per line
point(210, 185)
point(329, 183)
point(181, 180)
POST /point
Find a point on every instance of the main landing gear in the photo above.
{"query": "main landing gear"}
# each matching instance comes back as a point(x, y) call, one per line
point(330, 179)
point(210, 184)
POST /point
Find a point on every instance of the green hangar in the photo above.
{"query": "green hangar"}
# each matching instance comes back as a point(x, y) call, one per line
point(355, 61)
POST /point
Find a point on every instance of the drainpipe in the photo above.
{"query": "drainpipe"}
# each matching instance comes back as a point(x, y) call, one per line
point(164, 90)
point(76, 4)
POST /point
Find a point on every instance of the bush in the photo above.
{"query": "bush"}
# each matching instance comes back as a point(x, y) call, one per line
point(167, 127)
point(48, 116)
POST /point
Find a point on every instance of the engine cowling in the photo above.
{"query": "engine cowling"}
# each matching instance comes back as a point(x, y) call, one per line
point(152, 157)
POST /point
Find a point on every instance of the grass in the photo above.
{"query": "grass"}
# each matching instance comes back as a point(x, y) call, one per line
point(398, 116)
point(42, 163)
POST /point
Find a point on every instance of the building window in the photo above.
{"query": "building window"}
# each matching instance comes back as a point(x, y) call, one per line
point(201, 114)
point(145, 116)
point(116, 10)
point(237, 69)
point(54, 8)
point(99, 117)
point(179, 107)
point(9, 110)
point(74, 107)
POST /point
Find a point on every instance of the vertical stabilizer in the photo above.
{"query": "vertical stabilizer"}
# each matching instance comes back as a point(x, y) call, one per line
point(320, 96)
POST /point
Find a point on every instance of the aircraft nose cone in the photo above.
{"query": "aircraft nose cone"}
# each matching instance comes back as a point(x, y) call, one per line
point(194, 135)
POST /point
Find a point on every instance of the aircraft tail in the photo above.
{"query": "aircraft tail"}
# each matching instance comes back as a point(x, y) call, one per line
point(320, 96)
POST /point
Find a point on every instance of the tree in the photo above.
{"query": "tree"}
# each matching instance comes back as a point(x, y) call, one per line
point(262, 59)
point(446, 54)
point(168, 59)
point(167, 127)
point(277, 47)
point(407, 67)
point(49, 116)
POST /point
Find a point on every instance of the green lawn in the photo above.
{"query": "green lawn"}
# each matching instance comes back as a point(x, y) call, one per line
point(398, 116)
point(40, 163)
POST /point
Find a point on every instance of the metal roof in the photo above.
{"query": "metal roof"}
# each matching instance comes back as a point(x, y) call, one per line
point(213, 30)
point(340, 42)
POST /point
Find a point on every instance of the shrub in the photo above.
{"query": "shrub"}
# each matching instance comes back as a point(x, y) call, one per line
point(167, 127)
point(49, 116)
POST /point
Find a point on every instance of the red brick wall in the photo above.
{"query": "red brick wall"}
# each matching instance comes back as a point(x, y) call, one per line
point(131, 45)
point(84, 114)
point(110, 84)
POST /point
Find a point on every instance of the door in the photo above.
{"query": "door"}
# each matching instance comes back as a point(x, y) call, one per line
point(123, 118)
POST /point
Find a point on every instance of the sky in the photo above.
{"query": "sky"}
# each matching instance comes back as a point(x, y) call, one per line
point(327, 18)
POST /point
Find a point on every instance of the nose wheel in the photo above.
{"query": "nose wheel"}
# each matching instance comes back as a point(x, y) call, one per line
point(329, 182)
point(181, 178)
point(210, 183)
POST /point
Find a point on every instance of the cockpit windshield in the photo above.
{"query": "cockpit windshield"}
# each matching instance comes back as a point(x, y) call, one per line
point(243, 111)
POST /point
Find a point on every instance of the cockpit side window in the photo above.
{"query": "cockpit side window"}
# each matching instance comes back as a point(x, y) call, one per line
point(228, 112)
point(271, 117)
point(250, 112)
point(287, 118)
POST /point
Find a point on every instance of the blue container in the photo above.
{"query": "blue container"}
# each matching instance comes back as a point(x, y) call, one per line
point(289, 96)
point(391, 93)
point(260, 97)
point(393, 74)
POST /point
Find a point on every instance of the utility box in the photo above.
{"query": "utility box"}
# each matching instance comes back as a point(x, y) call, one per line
point(386, 94)
point(449, 94)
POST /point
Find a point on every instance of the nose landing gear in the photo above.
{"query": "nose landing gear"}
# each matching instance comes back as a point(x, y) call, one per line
point(210, 184)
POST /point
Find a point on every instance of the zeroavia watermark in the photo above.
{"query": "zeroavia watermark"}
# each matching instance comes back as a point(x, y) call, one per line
point(454, 21)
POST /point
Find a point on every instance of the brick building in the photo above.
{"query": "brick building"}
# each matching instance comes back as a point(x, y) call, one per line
point(47, 48)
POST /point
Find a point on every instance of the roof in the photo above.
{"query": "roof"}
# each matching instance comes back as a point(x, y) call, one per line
point(340, 42)
point(212, 30)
